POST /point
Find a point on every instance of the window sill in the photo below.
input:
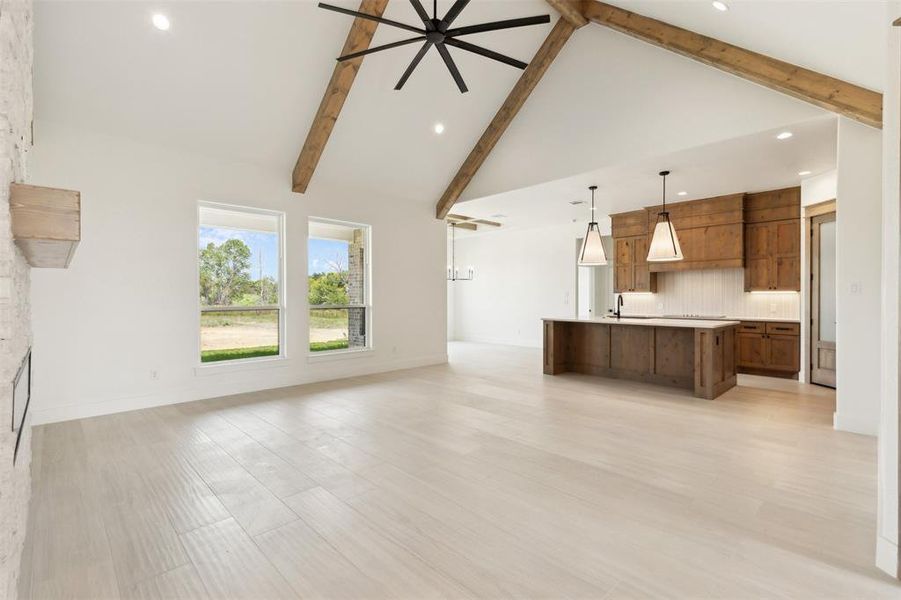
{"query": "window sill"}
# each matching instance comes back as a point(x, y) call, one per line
point(246, 364)
point(328, 355)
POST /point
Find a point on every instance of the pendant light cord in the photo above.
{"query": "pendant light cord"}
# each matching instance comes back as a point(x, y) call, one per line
point(434, 9)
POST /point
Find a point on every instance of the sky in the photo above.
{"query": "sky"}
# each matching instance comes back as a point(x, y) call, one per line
point(321, 254)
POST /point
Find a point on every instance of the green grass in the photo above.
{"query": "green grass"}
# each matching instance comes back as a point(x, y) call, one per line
point(238, 353)
point(239, 318)
point(330, 345)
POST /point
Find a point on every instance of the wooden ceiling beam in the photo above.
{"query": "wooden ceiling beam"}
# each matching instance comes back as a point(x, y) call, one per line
point(464, 219)
point(464, 225)
point(358, 38)
point(835, 95)
point(571, 10)
point(530, 77)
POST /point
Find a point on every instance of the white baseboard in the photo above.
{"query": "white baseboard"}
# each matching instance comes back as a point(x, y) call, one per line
point(202, 388)
point(887, 556)
point(854, 424)
point(498, 341)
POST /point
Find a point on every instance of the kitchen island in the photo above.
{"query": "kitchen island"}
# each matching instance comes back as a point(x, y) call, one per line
point(692, 354)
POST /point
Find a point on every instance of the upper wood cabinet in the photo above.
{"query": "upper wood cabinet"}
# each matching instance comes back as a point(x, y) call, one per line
point(46, 223)
point(773, 240)
point(710, 233)
point(630, 253)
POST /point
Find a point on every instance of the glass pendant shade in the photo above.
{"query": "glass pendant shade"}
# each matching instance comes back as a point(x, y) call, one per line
point(592, 253)
point(665, 243)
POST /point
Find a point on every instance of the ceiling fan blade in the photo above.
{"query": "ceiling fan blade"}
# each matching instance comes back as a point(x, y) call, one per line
point(382, 47)
point(495, 25)
point(421, 11)
point(452, 67)
point(486, 53)
point(454, 11)
point(413, 65)
point(355, 13)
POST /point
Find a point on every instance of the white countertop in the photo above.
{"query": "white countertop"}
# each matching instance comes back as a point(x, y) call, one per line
point(651, 322)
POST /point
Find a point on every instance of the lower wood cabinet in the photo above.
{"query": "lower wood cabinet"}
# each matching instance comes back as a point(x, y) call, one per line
point(769, 348)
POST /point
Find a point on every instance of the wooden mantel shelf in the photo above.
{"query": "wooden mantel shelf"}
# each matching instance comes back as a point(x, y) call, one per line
point(46, 224)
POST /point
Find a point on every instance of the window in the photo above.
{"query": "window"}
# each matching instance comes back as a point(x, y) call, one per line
point(241, 296)
point(338, 273)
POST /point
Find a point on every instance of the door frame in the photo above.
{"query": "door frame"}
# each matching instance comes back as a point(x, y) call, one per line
point(815, 282)
point(809, 212)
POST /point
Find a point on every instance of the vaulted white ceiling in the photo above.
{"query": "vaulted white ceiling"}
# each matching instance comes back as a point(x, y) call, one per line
point(242, 81)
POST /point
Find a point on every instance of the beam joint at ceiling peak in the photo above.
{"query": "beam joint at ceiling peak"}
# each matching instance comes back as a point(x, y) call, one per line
point(829, 93)
point(571, 10)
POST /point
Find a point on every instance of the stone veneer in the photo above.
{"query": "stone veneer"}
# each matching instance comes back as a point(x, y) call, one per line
point(356, 291)
point(15, 314)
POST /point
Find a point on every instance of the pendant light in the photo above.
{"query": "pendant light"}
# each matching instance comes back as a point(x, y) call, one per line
point(453, 273)
point(665, 243)
point(592, 254)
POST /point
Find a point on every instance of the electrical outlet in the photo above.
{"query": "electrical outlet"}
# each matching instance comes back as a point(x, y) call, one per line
point(772, 308)
point(154, 374)
point(856, 288)
point(660, 306)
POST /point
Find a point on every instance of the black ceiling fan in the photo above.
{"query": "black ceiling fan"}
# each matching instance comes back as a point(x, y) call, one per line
point(438, 32)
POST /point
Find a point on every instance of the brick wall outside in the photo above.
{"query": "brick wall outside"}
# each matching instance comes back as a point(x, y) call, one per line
point(356, 290)
point(15, 314)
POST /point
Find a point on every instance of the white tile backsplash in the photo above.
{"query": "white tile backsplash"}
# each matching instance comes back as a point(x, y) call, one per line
point(712, 292)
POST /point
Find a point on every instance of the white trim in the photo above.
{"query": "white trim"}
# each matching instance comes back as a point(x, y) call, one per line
point(327, 355)
point(367, 287)
point(244, 364)
point(201, 368)
point(83, 407)
point(887, 556)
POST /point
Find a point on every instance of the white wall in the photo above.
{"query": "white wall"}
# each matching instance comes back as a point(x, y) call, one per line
point(521, 276)
point(858, 274)
point(887, 526)
point(128, 303)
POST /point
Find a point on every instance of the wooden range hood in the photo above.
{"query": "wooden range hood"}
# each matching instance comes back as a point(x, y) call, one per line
point(46, 224)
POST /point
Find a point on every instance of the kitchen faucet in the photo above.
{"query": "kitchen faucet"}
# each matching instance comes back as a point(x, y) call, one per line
point(619, 305)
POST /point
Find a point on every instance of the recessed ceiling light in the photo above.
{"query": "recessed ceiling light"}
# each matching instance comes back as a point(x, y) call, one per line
point(720, 6)
point(161, 22)
point(682, 194)
point(499, 216)
point(803, 173)
point(439, 128)
point(784, 135)
point(576, 202)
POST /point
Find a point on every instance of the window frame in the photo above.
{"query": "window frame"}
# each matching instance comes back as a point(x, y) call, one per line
point(242, 363)
point(324, 355)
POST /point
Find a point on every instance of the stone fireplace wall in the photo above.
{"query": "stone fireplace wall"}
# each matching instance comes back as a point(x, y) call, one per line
point(15, 314)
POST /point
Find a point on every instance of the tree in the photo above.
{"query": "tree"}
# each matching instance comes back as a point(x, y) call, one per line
point(328, 288)
point(224, 272)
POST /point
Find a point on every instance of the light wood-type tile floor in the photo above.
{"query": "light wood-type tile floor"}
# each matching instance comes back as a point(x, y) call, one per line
point(482, 478)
